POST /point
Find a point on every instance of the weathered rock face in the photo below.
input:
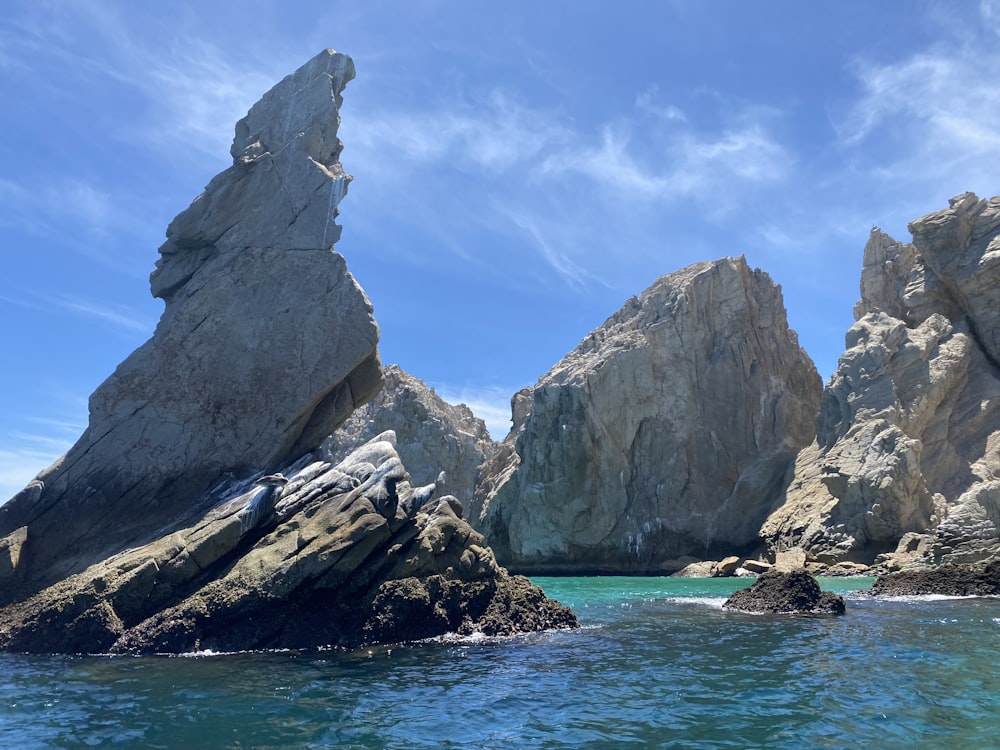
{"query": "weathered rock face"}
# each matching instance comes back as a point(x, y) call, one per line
point(266, 344)
point(908, 437)
point(329, 555)
point(160, 531)
point(668, 432)
point(431, 435)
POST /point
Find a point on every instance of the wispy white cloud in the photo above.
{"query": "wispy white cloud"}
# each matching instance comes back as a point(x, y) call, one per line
point(932, 113)
point(117, 317)
point(493, 135)
point(647, 102)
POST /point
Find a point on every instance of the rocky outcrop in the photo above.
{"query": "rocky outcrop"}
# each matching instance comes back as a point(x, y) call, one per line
point(666, 433)
point(431, 435)
point(908, 436)
point(328, 555)
point(777, 593)
point(166, 527)
point(265, 345)
point(943, 580)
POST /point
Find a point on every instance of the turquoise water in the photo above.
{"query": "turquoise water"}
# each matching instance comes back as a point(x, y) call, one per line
point(658, 663)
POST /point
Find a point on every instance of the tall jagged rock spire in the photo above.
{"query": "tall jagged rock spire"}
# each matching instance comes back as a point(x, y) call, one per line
point(266, 344)
point(907, 458)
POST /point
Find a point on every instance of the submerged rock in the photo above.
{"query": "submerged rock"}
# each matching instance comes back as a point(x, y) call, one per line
point(667, 433)
point(908, 436)
point(779, 593)
point(944, 580)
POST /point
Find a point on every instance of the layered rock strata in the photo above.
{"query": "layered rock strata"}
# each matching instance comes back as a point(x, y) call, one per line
point(318, 555)
point(667, 433)
point(432, 436)
point(907, 456)
point(166, 528)
point(265, 345)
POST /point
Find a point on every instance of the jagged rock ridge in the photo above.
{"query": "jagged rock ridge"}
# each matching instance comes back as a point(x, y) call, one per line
point(161, 529)
point(330, 555)
point(907, 457)
point(265, 345)
point(431, 435)
point(664, 436)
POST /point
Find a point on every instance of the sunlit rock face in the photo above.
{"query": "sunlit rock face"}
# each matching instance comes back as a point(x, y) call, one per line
point(432, 435)
point(908, 438)
point(667, 434)
point(265, 345)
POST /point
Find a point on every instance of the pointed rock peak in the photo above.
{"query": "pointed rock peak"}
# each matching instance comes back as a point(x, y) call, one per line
point(283, 188)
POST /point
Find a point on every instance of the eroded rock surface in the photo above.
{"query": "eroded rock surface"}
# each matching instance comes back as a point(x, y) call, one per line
point(337, 555)
point(431, 435)
point(666, 434)
point(908, 436)
point(265, 345)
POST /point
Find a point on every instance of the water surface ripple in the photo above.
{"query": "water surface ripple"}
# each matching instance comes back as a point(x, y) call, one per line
point(658, 663)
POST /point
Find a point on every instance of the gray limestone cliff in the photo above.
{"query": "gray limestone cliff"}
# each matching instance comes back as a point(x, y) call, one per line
point(666, 435)
point(907, 457)
point(432, 436)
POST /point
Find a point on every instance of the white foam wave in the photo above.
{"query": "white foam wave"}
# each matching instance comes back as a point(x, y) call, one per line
point(714, 602)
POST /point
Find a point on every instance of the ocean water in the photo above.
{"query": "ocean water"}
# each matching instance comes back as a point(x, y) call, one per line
point(658, 663)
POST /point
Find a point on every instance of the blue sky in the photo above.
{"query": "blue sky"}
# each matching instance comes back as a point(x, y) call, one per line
point(521, 169)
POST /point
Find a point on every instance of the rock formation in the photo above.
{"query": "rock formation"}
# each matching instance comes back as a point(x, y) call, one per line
point(908, 436)
point(337, 557)
point(666, 433)
point(431, 435)
point(265, 345)
point(162, 528)
point(942, 580)
point(778, 593)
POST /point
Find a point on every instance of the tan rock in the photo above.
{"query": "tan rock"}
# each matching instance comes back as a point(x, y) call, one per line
point(726, 567)
point(431, 435)
point(908, 438)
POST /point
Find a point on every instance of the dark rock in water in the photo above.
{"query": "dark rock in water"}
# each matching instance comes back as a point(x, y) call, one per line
point(946, 580)
point(339, 561)
point(779, 593)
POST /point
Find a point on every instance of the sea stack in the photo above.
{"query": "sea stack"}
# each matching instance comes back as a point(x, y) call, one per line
point(664, 437)
point(906, 463)
point(198, 509)
point(265, 345)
